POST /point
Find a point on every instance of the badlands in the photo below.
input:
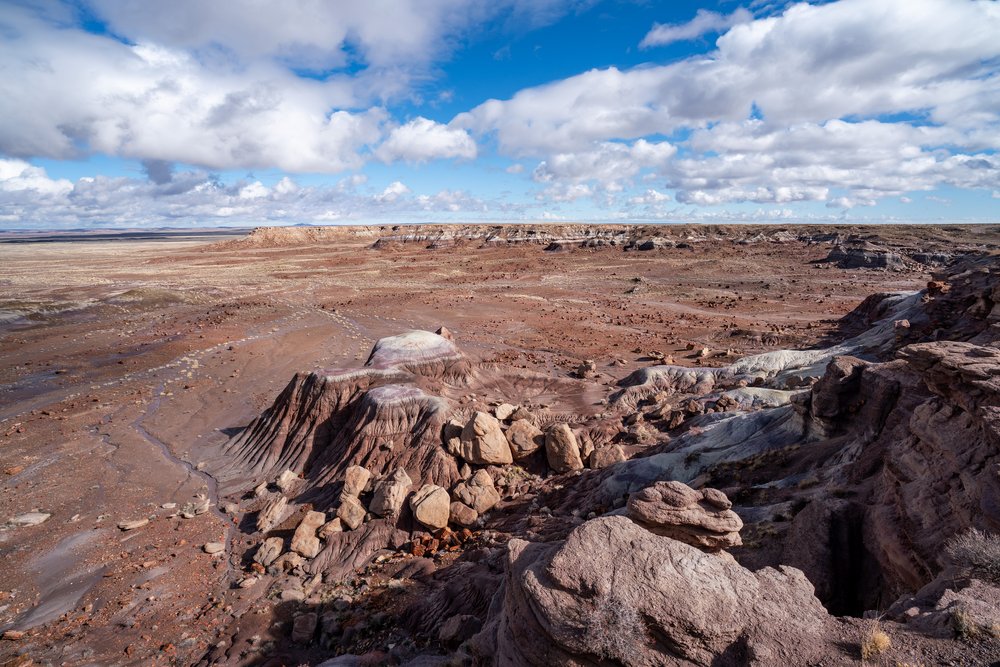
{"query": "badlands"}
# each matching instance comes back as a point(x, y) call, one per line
point(502, 445)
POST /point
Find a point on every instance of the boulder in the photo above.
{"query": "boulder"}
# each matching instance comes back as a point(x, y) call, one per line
point(483, 441)
point(356, 480)
point(351, 512)
point(270, 514)
point(451, 436)
point(700, 518)
point(478, 493)
point(431, 506)
point(304, 627)
point(286, 481)
point(390, 494)
point(268, 551)
point(561, 449)
point(524, 439)
point(461, 514)
point(329, 528)
point(30, 518)
point(213, 548)
point(523, 413)
point(615, 593)
point(608, 455)
point(304, 540)
point(504, 411)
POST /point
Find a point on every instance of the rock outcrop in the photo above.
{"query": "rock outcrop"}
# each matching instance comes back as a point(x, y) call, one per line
point(703, 519)
point(613, 591)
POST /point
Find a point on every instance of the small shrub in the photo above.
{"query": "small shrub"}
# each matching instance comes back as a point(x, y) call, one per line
point(965, 627)
point(977, 552)
point(874, 643)
point(616, 628)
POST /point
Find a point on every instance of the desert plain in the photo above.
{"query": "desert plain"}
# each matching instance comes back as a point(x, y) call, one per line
point(158, 396)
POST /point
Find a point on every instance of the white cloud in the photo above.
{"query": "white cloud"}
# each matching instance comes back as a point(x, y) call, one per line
point(811, 64)
point(392, 192)
point(610, 165)
point(19, 176)
point(703, 23)
point(421, 139)
point(821, 76)
point(218, 85)
point(516, 168)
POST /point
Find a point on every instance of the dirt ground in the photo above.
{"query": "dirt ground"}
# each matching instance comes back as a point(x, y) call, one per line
point(121, 361)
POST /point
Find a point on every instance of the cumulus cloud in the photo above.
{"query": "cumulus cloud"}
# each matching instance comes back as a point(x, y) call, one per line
point(393, 191)
point(220, 84)
point(877, 97)
point(421, 139)
point(703, 23)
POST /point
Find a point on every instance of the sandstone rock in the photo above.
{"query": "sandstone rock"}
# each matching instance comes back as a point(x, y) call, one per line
point(132, 525)
point(587, 369)
point(390, 494)
point(525, 414)
point(304, 540)
point(461, 514)
point(614, 593)
point(451, 436)
point(286, 481)
point(478, 493)
point(31, 519)
point(584, 442)
point(675, 510)
point(292, 595)
point(503, 411)
point(287, 562)
point(524, 439)
point(214, 547)
point(483, 441)
point(606, 456)
point(329, 528)
point(271, 513)
point(431, 506)
point(351, 512)
point(445, 333)
point(260, 490)
point(304, 627)
point(268, 551)
point(561, 449)
point(458, 628)
point(356, 480)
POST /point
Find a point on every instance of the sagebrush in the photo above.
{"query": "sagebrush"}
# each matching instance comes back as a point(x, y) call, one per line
point(977, 552)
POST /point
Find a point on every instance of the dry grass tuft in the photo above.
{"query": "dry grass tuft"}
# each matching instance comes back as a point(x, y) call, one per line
point(875, 642)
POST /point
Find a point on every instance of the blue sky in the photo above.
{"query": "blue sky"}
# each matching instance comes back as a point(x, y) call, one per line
point(125, 113)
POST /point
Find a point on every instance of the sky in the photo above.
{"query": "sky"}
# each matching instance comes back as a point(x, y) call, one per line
point(137, 114)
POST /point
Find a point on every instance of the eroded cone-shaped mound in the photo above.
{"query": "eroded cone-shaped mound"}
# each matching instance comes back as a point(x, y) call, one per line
point(617, 591)
point(421, 353)
point(699, 518)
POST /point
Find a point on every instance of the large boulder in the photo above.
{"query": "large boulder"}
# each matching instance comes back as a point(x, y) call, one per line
point(615, 593)
point(479, 493)
point(390, 494)
point(271, 513)
point(431, 506)
point(699, 518)
point(351, 512)
point(525, 439)
point(483, 441)
point(356, 480)
point(304, 541)
point(561, 449)
point(268, 551)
